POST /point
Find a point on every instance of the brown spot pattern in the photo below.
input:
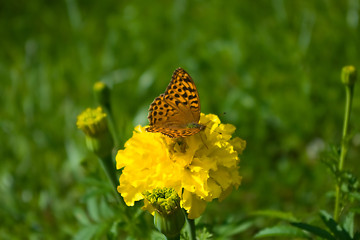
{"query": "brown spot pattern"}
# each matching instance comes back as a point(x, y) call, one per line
point(173, 111)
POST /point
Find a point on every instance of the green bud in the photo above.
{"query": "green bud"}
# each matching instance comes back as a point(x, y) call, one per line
point(102, 93)
point(348, 75)
point(169, 217)
point(94, 124)
point(170, 225)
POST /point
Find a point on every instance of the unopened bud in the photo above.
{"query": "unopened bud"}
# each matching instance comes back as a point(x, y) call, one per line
point(348, 75)
point(169, 217)
point(94, 124)
point(102, 93)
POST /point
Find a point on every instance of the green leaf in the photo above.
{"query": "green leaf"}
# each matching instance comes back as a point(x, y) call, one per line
point(314, 230)
point(203, 234)
point(156, 235)
point(355, 195)
point(288, 216)
point(104, 229)
point(96, 192)
point(334, 227)
point(81, 216)
point(93, 209)
point(240, 228)
point(281, 231)
point(349, 223)
point(232, 229)
point(86, 233)
point(105, 210)
point(94, 182)
point(357, 236)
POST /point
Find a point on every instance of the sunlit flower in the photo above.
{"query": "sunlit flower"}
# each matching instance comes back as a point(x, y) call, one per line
point(200, 168)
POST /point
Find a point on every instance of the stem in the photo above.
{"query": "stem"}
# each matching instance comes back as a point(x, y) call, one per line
point(107, 164)
point(173, 238)
point(344, 147)
point(344, 143)
point(191, 228)
point(337, 202)
point(112, 125)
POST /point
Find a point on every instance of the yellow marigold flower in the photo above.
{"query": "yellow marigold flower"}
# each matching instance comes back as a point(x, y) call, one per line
point(200, 168)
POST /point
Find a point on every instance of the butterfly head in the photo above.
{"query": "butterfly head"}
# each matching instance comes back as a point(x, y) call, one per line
point(196, 125)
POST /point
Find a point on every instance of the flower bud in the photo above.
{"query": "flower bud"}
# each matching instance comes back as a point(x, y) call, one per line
point(169, 217)
point(348, 75)
point(102, 93)
point(94, 125)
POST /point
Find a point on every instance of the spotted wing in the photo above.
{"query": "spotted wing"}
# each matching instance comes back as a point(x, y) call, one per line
point(182, 94)
point(172, 112)
point(174, 132)
point(166, 119)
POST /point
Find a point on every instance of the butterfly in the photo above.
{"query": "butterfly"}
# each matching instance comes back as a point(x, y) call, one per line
point(176, 113)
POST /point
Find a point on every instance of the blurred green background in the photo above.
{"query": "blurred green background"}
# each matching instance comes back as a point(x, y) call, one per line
point(272, 66)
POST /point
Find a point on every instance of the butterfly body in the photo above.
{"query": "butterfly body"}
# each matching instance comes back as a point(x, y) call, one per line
point(176, 113)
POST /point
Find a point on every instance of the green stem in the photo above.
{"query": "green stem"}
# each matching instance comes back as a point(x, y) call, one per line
point(344, 143)
point(191, 228)
point(337, 202)
point(344, 147)
point(112, 125)
point(173, 238)
point(109, 168)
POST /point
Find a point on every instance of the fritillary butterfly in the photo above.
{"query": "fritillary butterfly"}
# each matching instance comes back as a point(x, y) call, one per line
point(176, 113)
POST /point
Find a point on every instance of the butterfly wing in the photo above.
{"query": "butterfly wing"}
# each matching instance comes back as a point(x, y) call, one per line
point(167, 120)
point(163, 114)
point(182, 94)
point(174, 132)
point(171, 112)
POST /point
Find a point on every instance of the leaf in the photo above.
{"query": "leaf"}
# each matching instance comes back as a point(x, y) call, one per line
point(288, 216)
point(281, 231)
point(204, 234)
point(81, 216)
point(105, 210)
point(86, 233)
point(334, 227)
point(103, 229)
point(357, 236)
point(93, 209)
point(355, 195)
point(349, 223)
point(240, 228)
point(156, 235)
point(229, 230)
point(94, 182)
point(96, 192)
point(314, 230)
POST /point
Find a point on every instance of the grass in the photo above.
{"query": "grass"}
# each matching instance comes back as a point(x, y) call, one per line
point(273, 67)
